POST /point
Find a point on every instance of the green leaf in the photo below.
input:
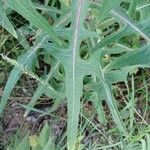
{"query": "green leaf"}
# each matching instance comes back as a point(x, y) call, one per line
point(42, 89)
point(81, 62)
point(74, 74)
point(63, 20)
point(130, 27)
point(22, 39)
point(44, 135)
point(115, 76)
point(73, 79)
point(143, 142)
point(113, 107)
point(5, 23)
point(47, 8)
point(122, 32)
point(24, 144)
point(26, 60)
point(107, 6)
point(28, 11)
point(49, 145)
point(139, 57)
point(143, 7)
point(148, 141)
point(75, 67)
point(97, 102)
point(121, 14)
point(132, 8)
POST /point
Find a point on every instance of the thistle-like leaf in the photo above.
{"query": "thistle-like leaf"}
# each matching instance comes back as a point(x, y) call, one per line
point(139, 57)
point(121, 14)
point(75, 67)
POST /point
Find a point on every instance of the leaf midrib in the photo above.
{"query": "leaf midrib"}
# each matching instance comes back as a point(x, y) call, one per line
point(114, 12)
point(75, 43)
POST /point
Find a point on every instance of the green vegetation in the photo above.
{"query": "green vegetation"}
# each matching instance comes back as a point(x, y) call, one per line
point(78, 53)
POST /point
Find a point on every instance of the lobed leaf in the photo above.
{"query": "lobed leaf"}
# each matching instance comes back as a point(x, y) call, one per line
point(139, 57)
point(121, 14)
